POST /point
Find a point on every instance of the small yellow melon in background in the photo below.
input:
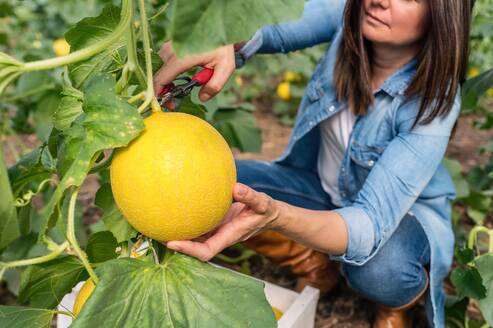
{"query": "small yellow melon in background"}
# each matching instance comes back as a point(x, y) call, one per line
point(175, 181)
point(284, 91)
point(290, 76)
point(84, 293)
point(277, 313)
point(61, 47)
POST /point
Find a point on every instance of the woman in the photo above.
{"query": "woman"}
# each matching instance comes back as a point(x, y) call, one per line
point(361, 178)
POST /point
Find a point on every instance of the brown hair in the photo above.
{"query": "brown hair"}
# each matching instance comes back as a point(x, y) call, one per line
point(441, 62)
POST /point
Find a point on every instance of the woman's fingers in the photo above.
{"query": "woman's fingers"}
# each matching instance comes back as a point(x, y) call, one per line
point(203, 250)
point(170, 70)
point(222, 72)
point(222, 60)
point(193, 248)
point(225, 236)
point(259, 202)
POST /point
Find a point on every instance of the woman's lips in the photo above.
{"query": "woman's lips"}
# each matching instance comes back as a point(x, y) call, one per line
point(375, 19)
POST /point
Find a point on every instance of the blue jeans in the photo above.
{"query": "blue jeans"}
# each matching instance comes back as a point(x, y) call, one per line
point(393, 277)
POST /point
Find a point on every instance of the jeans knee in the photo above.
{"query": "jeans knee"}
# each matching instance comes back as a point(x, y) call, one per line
point(248, 171)
point(390, 284)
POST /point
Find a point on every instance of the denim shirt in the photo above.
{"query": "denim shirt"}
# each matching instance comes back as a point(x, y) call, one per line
point(388, 171)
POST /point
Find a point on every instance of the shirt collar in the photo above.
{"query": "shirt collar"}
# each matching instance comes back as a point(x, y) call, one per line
point(399, 81)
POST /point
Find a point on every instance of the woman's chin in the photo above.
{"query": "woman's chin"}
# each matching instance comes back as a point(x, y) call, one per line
point(374, 34)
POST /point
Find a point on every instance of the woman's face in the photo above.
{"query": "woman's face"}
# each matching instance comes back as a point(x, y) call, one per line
point(395, 22)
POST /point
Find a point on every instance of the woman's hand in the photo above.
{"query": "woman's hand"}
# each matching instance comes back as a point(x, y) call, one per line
point(252, 213)
point(222, 60)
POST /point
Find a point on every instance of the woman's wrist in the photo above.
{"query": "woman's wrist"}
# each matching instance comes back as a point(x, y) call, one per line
point(284, 213)
point(323, 230)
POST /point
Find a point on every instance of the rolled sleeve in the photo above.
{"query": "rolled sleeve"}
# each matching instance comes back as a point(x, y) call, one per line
point(361, 239)
point(251, 46)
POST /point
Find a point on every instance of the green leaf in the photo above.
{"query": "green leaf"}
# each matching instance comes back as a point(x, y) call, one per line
point(464, 255)
point(485, 267)
point(22, 317)
point(101, 247)
point(44, 285)
point(31, 82)
point(474, 88)
point(199, 26)
point(58, 233)
point(71, 12)
point(112, 217)
point(455, 170)
point(19, 248)
point(33, 167)
point(237, 126)
point(188, 106)
point(24, 214)
point(478, 205)
point(87, 32)
point(455, 311)
point(45, 108)
point(476, 215)
point(468, 282)
point(478, 179)
point(108, 122)
point(9, 223)
point(69, 109)
point(181, 292)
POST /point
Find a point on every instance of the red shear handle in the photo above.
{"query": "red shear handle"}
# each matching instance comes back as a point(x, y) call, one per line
point(167, 88)
point(203, 76)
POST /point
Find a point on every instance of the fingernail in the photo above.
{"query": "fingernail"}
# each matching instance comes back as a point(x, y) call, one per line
point(241, 190)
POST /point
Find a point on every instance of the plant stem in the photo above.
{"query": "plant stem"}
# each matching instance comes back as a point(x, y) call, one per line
point(150, 98)
point(132, 60)
point(72, 239)
point(36, 260)
point(126, 17)
point(472, 240)
point(160, 11)
point(104, 164)
point(139, 96)
point(490, 245)
point(167, 254)
point(65, 313)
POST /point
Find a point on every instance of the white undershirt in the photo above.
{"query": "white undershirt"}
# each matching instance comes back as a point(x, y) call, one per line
point(335, 133)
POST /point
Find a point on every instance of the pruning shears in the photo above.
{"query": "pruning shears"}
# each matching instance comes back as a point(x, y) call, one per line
point(172, 90)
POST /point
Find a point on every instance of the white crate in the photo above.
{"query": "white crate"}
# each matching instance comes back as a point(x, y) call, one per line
point(298, 308)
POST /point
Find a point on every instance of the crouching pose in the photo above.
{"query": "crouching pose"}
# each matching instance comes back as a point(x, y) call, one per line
point(360, 189)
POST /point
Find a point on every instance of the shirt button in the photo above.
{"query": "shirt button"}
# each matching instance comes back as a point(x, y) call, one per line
point(371, 162)
point(343, 194)
point(332, 108)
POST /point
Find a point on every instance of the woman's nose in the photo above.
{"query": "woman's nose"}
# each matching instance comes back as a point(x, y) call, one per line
point(381, 3)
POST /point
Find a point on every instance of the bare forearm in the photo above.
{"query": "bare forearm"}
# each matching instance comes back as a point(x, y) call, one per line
point(324, 231)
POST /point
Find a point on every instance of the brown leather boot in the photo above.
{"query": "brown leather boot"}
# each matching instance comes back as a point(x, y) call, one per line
point(313, 268)
point(397, 317)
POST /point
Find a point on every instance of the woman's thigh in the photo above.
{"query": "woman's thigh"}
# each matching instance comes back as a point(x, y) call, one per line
point(292, 185)
point(396, 274)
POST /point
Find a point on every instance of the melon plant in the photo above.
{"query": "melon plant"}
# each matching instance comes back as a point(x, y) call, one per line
point(172, 173)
